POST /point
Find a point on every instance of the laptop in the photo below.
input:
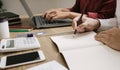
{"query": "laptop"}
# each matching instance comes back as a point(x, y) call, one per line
point(40, 22)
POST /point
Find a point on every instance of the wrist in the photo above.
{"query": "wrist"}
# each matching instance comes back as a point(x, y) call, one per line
point(98, 25)
point(68, 15)
point(72, 15)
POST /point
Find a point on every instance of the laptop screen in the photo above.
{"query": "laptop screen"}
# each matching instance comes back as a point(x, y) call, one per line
point(26, 7)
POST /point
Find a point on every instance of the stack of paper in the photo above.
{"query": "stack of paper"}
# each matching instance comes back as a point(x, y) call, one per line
point(52, 65)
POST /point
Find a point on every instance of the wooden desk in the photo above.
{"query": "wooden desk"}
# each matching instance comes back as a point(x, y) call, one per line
point(47, 46)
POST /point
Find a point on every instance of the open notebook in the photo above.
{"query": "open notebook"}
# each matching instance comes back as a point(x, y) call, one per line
point(83, 52)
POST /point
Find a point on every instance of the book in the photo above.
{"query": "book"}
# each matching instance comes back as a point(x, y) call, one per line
point(20, 30)
point(83, 52)
point(21, 27)
point(12, 17)
point(14, 20)
point(14, 23)
point(9, 14)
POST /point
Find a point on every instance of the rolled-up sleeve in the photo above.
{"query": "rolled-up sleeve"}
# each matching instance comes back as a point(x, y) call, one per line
point(107, 23)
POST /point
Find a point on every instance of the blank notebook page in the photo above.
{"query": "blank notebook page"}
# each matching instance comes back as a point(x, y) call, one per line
point(93, 58)
point(82, 40)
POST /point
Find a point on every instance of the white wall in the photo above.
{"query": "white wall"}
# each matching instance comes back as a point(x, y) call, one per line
point(36, 6)
point(118, 12)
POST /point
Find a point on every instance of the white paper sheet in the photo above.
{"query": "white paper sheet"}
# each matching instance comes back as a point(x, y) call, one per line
point(52, 65)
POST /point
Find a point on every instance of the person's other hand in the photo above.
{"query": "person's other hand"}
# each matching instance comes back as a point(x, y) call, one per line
point(88, 24)
point(49, 12)
point(110, 37)
point(55, 14)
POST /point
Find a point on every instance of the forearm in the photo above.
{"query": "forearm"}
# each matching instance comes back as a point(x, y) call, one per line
point(72, 15)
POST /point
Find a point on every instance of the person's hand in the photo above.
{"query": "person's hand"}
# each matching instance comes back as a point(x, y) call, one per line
point(110, 37)
point(88, 24)
point(48, 13)
point(55, 14)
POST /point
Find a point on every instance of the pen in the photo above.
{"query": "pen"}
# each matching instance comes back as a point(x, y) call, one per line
point(79, 22)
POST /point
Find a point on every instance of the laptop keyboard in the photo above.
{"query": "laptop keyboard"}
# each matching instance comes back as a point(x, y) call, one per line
point(42, 23)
